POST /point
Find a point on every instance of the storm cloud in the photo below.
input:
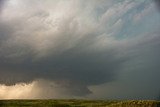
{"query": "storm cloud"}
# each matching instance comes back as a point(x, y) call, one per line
point(1, 4)
point(77, 44)
point(157, 2)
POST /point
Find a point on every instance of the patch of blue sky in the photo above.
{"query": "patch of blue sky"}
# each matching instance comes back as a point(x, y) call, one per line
point(148, 23)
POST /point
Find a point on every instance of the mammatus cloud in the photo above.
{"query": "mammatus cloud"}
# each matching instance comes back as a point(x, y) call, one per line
point(70, 46)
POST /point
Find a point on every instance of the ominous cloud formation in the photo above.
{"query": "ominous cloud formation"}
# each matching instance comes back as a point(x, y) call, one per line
point(79, 45)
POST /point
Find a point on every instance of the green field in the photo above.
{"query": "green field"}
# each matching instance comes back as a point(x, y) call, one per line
point(77, 103)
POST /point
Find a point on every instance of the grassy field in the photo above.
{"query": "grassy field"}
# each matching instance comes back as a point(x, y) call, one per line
point(77, 103)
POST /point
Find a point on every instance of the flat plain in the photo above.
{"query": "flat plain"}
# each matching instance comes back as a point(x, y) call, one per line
point(78, 103)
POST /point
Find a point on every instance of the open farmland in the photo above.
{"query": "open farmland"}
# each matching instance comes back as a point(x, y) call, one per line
point(77, 103)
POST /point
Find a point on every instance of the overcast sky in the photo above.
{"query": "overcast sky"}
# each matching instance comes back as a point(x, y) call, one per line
point(94, 49)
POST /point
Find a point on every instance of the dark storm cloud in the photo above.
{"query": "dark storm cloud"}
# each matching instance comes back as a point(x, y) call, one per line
point(157, 2)
point(77, 50)
point(139, 76)
point(78, 66)
point(158, 97)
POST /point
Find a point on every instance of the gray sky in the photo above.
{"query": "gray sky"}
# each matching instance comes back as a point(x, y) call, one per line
point(105, 49)
point(1, 4)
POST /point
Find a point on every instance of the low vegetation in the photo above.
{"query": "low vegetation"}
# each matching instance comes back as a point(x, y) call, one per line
point(77, 103)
